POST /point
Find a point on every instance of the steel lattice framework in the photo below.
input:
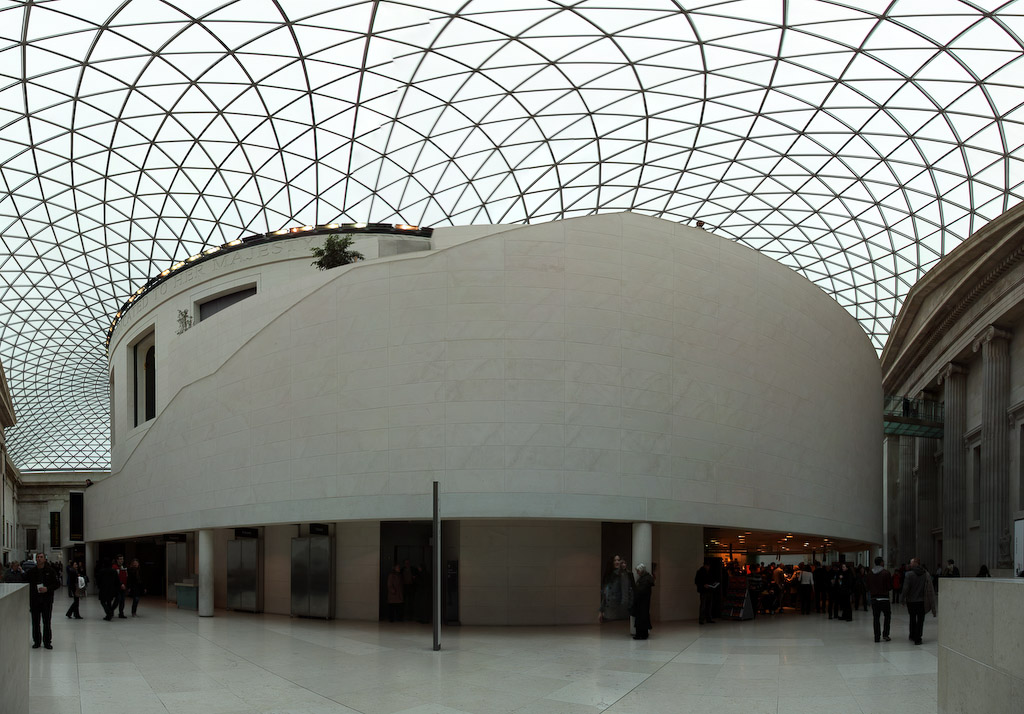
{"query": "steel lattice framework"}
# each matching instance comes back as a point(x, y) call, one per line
point(856, 142)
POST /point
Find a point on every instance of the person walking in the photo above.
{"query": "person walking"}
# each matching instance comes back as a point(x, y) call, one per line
point(122, 591)
point(134, 583)
point(879, 584)
point(73, 590)
point(845, 591)
point(919, 598)
point(109, 585)
point(806, 584)
point(820, 587)
point(706, 583)
point(43, 582)
point(642, 602)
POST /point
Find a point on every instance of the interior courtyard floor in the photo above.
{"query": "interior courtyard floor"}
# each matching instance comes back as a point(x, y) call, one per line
point(170, 661)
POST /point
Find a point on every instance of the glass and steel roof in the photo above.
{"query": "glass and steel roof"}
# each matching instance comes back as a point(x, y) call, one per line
point(856, 142)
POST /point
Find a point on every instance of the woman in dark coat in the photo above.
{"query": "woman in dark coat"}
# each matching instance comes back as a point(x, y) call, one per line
point(135, 589)
point(846, 578)
point(642, 602)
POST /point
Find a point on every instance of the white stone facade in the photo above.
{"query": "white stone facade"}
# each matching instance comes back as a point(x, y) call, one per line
point(616, 367)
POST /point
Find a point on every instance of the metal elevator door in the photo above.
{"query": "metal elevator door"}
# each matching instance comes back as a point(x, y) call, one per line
point(312, 577)
point(245, 574)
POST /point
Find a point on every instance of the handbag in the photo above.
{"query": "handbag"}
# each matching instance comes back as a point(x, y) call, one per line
point(81, 583)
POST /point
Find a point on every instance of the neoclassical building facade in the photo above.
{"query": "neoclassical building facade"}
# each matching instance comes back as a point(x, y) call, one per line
point(954, 370)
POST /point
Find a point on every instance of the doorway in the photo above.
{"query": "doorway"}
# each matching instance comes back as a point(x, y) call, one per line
point(409, 545)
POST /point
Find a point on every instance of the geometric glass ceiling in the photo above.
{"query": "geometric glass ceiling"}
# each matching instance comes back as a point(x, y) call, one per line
point(856, 142)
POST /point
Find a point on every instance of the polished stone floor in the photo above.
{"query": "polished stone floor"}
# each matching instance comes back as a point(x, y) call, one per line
point(171, 661)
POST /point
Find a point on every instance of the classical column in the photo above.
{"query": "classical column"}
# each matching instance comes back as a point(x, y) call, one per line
point(994, 345)
point(927, 495)
point(205, 569)
point(906, 531)
point(890, 482)
point(954, 464)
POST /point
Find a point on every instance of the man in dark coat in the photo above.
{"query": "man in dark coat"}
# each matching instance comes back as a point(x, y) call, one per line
point(879, 584)
point(706, 583)
point(919, 596)
point(43, 581)
point(642, 602)
point(110, 588)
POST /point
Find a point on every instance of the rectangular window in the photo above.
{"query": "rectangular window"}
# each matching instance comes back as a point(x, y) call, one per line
point(144, 362)
point(76, 512)
point(1020, 467)
point(211, 307)
point(111, 402)
point(31, 539)
point(55, 529)
point(976, 483)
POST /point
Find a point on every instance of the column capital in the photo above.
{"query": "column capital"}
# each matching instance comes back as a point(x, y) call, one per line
point(948, 370)
point(987, 335)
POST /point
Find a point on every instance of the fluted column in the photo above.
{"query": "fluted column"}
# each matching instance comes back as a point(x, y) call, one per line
point(954, 464)
point(994, 345)
point(906, 492)
point(927, 494)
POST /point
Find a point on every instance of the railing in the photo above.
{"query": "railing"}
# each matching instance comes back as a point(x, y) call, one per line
point(924, 409)
point(913, 417)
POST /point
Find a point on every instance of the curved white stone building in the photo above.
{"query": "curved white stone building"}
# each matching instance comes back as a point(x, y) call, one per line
point(550, 377)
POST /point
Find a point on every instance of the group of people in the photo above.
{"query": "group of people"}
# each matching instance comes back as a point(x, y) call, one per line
point(836, 589)
point(624, 596)
point(116, 584)
point(408, 593)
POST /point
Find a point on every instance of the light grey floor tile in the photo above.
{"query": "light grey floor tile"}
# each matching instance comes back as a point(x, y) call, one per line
point(172, 661)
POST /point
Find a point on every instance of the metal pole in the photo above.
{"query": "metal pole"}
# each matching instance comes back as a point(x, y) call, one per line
point(437, 574)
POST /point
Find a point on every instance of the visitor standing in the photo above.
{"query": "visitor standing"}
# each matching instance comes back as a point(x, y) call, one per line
point(43, 582)
point(642, 602)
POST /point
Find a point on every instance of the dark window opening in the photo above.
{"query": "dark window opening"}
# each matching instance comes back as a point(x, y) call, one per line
point(55, 529)
point(31, 539)
point(214, 305)
point(144, 397)
point(150, 367)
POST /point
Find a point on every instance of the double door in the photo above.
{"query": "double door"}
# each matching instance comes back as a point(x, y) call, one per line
point(312, 581)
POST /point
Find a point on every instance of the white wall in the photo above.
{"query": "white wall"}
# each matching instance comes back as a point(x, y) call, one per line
point(615, 367)
point(679, 552)
point(981, 654)
point(14, 654)
point(277, 568)
point(358, 570)
point(529, 572)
